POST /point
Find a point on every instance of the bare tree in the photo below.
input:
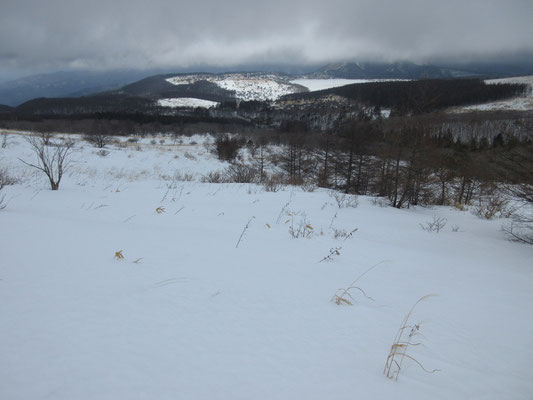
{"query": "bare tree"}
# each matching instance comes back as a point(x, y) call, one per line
point(99, 140)
point(52, 159)
point(98, 135)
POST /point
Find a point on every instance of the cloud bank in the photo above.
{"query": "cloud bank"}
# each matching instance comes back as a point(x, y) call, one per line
point(60, 34)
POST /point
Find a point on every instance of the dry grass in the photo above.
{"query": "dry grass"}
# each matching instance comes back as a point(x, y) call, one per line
point(333, 252)
point(403, 341)
point(343, 295)
point(302, 229)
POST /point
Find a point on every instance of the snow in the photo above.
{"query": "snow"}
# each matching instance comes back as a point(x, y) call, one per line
point(246, 86)
point(188, 102)
point(322, 84)
point(522, 103)
point(197, 318)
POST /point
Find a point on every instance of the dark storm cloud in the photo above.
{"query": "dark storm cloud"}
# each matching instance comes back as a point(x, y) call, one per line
point(159, 33)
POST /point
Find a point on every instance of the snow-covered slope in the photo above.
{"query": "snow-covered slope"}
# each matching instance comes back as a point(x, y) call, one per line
point(322, 84)
point(188, 102)
point(522, 103)
point(186, 314)
point(246, 86)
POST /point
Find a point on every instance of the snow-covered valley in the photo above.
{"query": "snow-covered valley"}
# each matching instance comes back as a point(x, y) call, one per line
point(215, 297)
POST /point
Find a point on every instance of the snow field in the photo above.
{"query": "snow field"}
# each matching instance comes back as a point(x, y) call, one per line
point(196, 317)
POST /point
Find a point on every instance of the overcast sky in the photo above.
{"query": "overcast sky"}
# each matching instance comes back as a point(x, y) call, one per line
point(47, 35)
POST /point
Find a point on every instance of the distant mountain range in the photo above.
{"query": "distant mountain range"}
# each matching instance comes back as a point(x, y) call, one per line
point(65, 84)
point(136, 83)
point(400, 70)
point(4, 108)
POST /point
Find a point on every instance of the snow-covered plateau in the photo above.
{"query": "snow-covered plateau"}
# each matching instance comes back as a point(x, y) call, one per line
point(136, 280)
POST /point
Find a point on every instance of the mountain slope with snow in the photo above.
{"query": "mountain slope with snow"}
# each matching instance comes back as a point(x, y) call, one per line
point(245, 86)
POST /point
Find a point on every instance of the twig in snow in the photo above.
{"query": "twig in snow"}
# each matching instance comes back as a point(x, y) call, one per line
point(281, 212)
point(243, 231)
point(127, 219)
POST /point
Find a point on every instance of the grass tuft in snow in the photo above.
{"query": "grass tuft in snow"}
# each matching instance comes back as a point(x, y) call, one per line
point(403, 341)
point(343, 295)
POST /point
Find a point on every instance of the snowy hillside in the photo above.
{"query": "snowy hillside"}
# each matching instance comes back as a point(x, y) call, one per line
point(246, 86)
point(322, 84)
point(522, 103)
point(136, 280)
point(187, 102)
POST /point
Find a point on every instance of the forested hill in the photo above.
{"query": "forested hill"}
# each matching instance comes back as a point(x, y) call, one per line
point(422, 96)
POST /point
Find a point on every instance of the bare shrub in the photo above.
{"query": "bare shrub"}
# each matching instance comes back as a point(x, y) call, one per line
point(183, 176)
point(345, 200)
point(494, 205)
point(309, 187)
point(436, 225)
point(5, 180)
point(103, 153)
point(379, 202)
point(4, 141)
point(214, 177)
point(227, 147)
point(241, 173)
point(189, 156)
point(273, 183)
point(520, 229)
point(53, 159)
point(99, 140)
